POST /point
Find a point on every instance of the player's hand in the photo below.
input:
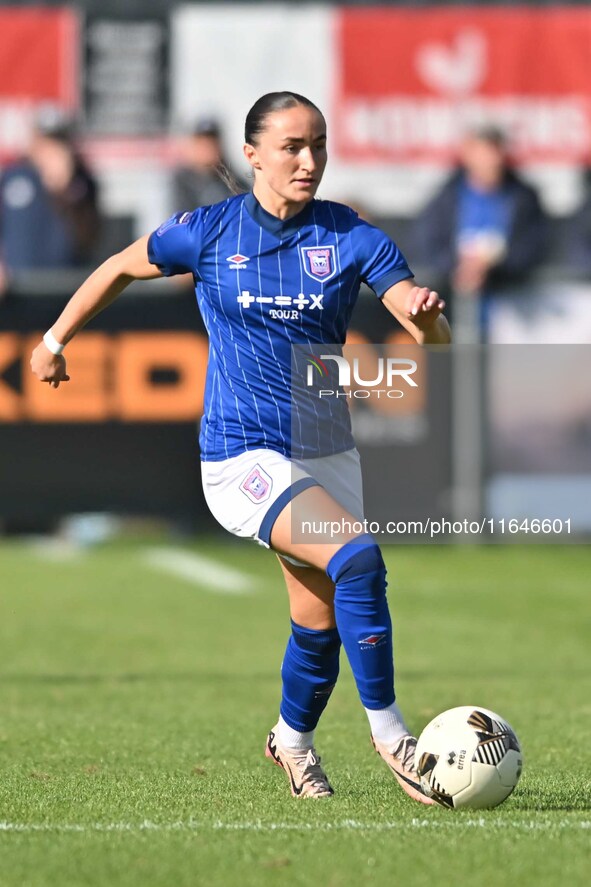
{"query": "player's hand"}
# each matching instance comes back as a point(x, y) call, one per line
point(49, 367)
point(423, 306)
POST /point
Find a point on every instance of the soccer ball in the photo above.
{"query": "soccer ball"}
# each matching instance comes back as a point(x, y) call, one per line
point(468, 757)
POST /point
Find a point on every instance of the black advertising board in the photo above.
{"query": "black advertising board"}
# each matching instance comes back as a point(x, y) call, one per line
point(126, 75)
point(122, 436)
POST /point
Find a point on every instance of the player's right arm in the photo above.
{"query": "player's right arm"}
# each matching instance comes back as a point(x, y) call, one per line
point(96, 293)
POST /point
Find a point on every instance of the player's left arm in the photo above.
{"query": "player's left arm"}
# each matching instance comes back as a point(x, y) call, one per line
point(419, 310)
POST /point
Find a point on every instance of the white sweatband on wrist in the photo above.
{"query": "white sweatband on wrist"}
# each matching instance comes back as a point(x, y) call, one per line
point(52, 344)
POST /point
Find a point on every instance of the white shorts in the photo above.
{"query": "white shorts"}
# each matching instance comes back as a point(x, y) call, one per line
point(247, 493)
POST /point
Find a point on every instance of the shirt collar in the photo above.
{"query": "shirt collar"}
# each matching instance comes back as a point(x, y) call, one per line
point(280, 227)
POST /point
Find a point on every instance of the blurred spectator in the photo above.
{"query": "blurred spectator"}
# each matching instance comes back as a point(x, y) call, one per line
point(578, 248)
point(204, 177)
point(485, 227)
point(48, 203)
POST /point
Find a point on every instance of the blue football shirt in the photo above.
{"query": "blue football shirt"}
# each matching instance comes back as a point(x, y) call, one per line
point(264, 285)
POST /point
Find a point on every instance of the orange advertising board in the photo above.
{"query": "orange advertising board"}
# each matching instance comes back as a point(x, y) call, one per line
point(129, 377)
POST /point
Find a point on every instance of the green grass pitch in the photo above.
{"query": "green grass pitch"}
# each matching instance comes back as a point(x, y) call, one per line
point(134, 708)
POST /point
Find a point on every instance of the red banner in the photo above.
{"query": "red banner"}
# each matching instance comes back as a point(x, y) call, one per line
point(410, 82)
point(39, 51)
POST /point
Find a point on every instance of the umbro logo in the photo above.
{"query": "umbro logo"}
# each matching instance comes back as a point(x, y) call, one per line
point(237, 262)
point(372, 640)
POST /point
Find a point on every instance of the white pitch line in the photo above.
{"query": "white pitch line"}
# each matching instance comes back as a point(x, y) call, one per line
point(440, 824)
point(59, 551)
point(192, 825)
point(198, 570)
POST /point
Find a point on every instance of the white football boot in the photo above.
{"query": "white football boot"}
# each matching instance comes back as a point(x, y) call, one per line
point(303, 768)
point(401, 761)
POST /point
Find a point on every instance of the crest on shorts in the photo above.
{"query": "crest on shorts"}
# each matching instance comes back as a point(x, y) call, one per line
point(319, 261)
point(257, 485)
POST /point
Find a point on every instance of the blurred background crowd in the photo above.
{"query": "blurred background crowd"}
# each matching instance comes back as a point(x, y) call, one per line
point(462, 130)
point(483, 227)
point(465, 132)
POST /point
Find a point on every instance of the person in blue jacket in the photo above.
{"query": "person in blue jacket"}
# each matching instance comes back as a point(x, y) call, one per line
point(485, 228)
point(49, 214)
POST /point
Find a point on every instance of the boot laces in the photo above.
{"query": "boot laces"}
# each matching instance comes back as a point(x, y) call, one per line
point(310, 769)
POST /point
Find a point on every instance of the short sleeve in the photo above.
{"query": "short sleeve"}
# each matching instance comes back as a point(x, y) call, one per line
point(381, 264)
point(175, 246)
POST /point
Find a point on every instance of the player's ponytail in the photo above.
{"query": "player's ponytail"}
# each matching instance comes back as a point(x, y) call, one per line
point(256, 118)
point(223, 173)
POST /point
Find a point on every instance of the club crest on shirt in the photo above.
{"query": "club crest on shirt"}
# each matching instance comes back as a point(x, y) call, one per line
point(257, 485)
point(319, 261)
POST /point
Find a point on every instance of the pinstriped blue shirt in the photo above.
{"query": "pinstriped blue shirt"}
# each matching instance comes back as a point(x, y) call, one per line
point(264, 285)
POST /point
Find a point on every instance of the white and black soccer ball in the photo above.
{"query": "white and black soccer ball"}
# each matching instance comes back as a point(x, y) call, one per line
point(468, 757)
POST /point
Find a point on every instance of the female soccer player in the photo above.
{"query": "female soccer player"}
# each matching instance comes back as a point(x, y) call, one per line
point(275, 268)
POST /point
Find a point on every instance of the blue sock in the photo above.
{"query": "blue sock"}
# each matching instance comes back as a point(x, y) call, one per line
point(363, 618)
point(309, 671)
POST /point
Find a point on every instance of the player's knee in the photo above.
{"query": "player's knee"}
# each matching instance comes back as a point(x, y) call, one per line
point(361, 557)
point(324, 642)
